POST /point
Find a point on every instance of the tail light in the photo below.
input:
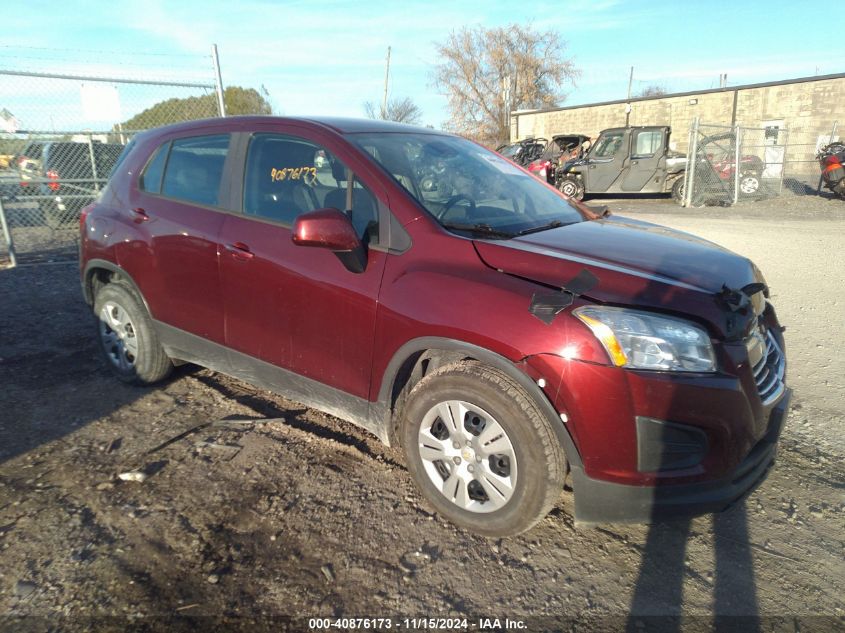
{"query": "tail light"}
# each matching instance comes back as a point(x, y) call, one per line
point(53, 175)
point(84, 214)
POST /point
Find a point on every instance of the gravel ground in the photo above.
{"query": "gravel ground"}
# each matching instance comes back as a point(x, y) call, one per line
point(299, 514)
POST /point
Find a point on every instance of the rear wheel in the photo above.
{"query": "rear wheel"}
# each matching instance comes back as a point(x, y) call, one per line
point(749, 183)
point(480, 450)
point(679, 190)
point(572, 187)
point(127, 338)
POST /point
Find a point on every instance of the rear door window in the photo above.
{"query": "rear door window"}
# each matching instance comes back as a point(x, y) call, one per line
point(195, 168)
point(648, 142)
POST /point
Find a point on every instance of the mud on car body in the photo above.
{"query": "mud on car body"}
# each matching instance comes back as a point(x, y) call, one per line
point(505, 336)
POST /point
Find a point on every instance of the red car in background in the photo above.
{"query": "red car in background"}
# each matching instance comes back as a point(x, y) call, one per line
point(506, 338)
point(561, 148)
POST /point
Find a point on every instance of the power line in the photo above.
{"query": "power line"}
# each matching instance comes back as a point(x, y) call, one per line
point(102, 52)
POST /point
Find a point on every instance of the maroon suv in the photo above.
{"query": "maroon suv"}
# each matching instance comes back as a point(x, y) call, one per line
point(427, 289)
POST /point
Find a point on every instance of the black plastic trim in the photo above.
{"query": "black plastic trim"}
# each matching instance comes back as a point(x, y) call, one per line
point(311, 393)
point(599, 501)
point(87, 275)
point(399, 239)
point(663, 445)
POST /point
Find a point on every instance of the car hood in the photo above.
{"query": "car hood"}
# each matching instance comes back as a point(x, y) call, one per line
point(636, 264)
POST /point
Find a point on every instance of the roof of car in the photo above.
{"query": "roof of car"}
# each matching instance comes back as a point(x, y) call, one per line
point(337, 124)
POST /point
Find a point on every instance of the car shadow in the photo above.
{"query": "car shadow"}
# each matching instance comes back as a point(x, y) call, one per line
point(658, 602)
point(53, 379)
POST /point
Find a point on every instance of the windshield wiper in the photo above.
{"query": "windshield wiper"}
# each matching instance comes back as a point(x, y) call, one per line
point(481, 229)
point(554, 224)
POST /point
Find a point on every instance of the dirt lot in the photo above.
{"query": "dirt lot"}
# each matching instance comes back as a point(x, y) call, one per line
point(303, 515)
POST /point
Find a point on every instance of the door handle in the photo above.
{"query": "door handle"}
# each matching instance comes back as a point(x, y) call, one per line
point(635, 162)
point(240, 251)
point(140, 214)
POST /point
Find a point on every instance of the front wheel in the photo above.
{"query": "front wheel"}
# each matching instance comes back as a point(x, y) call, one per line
point(572, 187)
point(480, 450)
point(679, 190)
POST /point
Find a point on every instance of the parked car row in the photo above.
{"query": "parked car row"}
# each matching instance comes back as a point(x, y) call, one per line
point(60, 176)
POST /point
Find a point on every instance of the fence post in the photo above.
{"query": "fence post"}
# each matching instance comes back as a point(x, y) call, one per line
point(93, 163)
point(689, 172)
point(737, 159)
point(7, 234)
point(218, 80)
point(832, 134)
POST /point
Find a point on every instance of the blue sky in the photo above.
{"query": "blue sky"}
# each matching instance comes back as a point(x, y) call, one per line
point(327, 57)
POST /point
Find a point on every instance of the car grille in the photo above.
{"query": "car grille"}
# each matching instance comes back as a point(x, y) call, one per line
point(769, 370)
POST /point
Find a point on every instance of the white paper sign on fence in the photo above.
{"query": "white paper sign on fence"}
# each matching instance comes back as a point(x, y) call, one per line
point(100, 102)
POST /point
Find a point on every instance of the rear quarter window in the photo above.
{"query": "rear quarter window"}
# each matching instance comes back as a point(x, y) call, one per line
point(151, 176)
point(195, 168)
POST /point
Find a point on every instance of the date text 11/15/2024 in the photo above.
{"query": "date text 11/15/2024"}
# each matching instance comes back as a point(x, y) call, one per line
point(420, 624)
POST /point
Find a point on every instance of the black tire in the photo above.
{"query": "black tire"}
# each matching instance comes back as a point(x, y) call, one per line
point(572, 187)
point(540, 464)
point(678, 190)
point(149, 362)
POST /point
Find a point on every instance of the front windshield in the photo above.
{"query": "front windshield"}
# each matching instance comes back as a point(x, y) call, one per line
point(510, 150)
point(608, 145)
point(467, 187)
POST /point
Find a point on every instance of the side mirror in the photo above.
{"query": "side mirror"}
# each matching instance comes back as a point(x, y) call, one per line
point(331, 229)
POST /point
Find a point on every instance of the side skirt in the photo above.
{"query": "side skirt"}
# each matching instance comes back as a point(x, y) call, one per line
point(194, 349)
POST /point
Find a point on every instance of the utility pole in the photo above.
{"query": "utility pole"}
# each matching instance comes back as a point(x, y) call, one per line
point(628, 105)
point(386, 75)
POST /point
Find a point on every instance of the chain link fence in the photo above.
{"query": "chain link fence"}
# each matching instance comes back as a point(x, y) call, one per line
point(62, 131)
point(729, 165)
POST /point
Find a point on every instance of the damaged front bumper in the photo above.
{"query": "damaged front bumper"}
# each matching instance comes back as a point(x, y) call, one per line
point(598, 501)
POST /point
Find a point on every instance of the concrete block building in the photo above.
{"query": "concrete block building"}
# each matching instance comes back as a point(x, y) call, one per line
point(807, 107)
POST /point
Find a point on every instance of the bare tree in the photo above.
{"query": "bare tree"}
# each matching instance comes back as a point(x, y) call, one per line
point(654, 90)
point(399, 110)
point(488, 73)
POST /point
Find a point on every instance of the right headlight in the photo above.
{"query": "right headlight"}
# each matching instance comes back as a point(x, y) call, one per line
point(642, 340)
